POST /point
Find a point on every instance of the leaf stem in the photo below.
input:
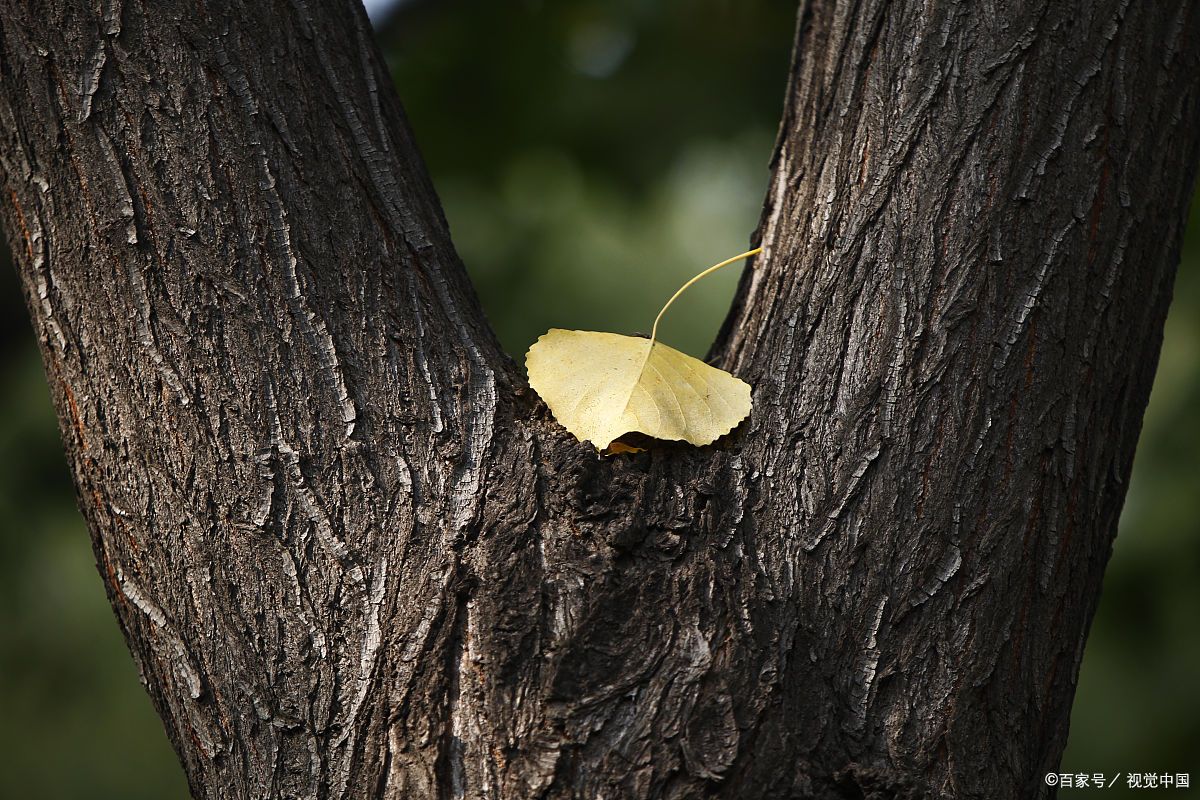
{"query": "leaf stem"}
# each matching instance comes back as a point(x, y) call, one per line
point(709, 271)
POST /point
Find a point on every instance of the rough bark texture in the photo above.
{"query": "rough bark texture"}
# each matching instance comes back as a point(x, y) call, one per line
point(353, 555)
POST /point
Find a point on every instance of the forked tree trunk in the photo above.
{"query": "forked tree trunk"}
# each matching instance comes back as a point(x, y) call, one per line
point(355, 557)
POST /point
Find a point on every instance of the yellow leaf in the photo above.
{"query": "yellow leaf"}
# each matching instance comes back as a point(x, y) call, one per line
point(602, 385)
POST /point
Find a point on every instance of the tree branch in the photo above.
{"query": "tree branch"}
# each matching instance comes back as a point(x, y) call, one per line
point(969, 244)
point(274, 382)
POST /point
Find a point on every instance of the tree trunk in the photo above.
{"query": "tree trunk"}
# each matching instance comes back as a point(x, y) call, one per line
point(354, 556)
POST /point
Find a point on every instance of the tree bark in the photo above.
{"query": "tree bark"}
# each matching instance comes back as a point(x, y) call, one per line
point(354, 556)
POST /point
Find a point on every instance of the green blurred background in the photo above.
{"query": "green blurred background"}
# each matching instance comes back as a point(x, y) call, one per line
point(591, 156)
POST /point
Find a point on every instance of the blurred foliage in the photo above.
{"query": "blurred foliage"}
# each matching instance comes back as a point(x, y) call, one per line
point(74, 722)
point(1137, 708)
point(591, 157)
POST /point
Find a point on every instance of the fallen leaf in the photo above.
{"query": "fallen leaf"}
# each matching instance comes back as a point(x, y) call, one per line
point(602, 385)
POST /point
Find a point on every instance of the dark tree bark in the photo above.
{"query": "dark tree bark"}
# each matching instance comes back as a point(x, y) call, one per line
point(354, 556)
